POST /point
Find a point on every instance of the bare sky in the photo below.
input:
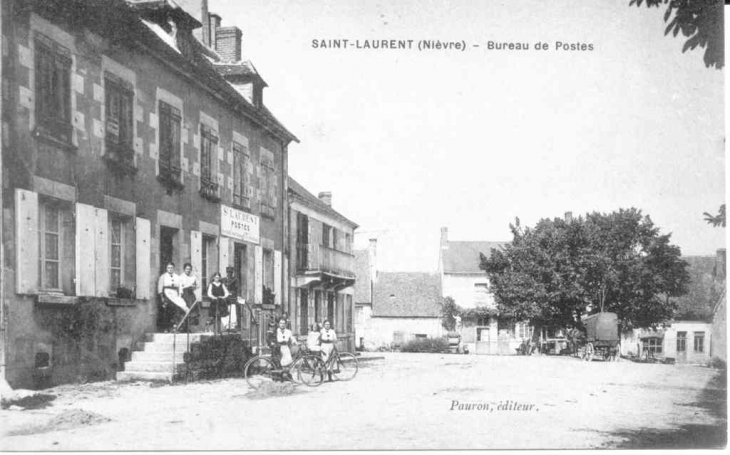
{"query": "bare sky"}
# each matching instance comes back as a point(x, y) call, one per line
point(409, 141)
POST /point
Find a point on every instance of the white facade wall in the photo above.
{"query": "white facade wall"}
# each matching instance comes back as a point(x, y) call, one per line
point(631, 342)
point(377, 332)
point(461, 287)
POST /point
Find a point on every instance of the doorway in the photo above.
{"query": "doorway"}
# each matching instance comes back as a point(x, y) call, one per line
point(482, 340)
point(167, 246)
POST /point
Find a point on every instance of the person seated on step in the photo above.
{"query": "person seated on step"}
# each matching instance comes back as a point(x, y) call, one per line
point(189, 283)
point(172, 304)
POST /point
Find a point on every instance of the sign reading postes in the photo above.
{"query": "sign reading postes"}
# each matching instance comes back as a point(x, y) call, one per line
point(239, 225)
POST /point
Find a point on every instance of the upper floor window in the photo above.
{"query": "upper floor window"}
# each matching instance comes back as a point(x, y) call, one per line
point(681, 341)
point(119, 99)
point(480, 292)
point(240, 175)
point(169, 143)
point(267, 184)
point(327, 235)
point(53, 89)
point(208, 145)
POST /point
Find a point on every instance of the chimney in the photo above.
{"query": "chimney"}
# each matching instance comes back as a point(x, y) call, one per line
point(199, 10)
point(326, 197)
point(444, 238)
point(372, 257)
point(568, 217)
point(214, 23)
point(228, 43)
point(720, 264)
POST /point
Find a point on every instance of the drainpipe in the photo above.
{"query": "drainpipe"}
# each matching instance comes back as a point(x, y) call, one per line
point(3, 381)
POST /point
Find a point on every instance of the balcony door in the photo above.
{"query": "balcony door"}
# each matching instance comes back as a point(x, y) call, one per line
point(302, 241)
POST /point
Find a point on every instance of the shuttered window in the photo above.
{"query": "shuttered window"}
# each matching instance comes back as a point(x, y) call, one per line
point(241, 159)
point(208, 146)
point(169, 141)
point(53, 89)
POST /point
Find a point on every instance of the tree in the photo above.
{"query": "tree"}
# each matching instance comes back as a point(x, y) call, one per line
point(558, 271)
point(700, 21)
point(716, 220)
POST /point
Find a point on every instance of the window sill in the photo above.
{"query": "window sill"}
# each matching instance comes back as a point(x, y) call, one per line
point(55, 299)
point(170, 181)
point(115, 301)
point(118, 162)
point(46, 136)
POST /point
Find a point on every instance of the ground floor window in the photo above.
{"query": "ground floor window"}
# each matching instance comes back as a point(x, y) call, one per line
point(699, 341)
point(653, 346)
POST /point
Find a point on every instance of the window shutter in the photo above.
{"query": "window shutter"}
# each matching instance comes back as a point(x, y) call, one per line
point(26, 235)
point(144, 279)
point(285, 291)
point(196, 259)
point(224, 253)
point(277, 278)
point(101, 257)
point(68, 268)
point(85, 257)
point(259, 278)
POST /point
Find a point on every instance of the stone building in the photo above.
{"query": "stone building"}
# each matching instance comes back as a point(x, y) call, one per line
point(127, 142)
point(323, 265)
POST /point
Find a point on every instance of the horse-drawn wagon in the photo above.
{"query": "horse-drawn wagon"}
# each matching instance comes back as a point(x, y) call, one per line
point(602, 337)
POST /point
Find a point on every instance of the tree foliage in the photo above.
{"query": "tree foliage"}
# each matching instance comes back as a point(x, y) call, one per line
point(556, 272)
point(700, 21)
point(716, 220)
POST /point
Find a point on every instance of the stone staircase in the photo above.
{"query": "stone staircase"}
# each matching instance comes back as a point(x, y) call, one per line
point(154, 360)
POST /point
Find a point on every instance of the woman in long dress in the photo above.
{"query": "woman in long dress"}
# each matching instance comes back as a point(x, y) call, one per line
point(328, 337)
point(169, 290)
point(218, 293)
point(314, 343)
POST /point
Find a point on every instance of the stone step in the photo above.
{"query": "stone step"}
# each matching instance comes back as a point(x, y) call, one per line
point(153, 367)
point(151, 356)
point(143, 376)
point(178, 337)
point(156, 346)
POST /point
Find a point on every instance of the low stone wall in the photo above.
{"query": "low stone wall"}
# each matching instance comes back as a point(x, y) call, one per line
point(216, 357)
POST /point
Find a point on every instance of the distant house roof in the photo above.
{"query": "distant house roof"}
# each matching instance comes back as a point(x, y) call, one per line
point(407, 294)
point(363, 289)
point(310, 200)
point(463, 257)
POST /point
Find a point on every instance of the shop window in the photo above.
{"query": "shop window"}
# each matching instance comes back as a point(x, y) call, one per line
point(53, 89)
point(653, 346)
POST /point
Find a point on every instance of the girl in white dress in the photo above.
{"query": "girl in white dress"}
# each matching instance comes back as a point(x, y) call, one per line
point(169, 287)
point(284, 338)
point(327, 337)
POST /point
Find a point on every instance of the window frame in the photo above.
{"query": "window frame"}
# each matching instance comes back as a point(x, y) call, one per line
point(120, 143)
point(44, 204)
point(241, 158)
point(208, 171)
point(122, 249)
point(699, 337)
point(53, 106)
point(169, 142)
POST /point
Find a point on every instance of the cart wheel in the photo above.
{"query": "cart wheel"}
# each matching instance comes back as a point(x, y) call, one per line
point(589, 352)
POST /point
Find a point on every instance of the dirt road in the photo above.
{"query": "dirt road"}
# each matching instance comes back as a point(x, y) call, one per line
point(407, 401)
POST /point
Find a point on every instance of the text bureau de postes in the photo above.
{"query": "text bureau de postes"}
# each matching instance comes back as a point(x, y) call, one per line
point(427, 45)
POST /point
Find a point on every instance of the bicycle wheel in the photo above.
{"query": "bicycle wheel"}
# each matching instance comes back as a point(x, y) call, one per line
point(344, 366)
point(258, 371)
point(310, 370)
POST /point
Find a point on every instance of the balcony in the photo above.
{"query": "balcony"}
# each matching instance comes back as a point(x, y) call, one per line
point(320, 263)
point(209, 189)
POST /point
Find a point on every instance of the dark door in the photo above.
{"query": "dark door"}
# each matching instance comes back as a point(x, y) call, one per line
point(167, 246)
point(302, 241)
point(331, 308)
point(239, 264)
point(303, 311)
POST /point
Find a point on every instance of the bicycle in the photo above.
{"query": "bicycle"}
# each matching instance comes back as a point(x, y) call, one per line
point(342, 365)
point(263, 369)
